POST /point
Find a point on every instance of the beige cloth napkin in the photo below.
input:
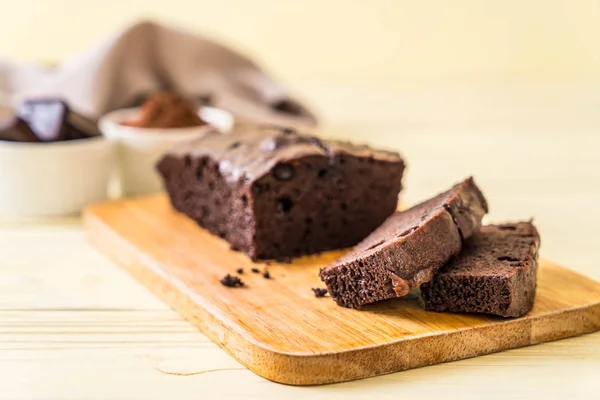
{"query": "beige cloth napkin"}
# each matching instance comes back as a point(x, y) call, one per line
point(148, 57)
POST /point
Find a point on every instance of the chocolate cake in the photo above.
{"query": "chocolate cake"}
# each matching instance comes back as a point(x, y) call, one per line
point(494, 274)
point(408, 249)
point(275, 192)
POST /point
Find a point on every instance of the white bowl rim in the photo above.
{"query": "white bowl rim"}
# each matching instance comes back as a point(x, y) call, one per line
point(114, 119)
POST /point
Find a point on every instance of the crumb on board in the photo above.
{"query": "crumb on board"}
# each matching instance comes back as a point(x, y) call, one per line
point(231, 281)
point(319, 292)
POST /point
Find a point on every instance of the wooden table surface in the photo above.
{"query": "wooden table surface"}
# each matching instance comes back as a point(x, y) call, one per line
point(75, 326)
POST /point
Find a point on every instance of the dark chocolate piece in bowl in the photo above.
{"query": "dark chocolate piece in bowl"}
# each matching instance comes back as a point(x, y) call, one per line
point(408, 249)
point(46, 117)
point(494, 274)
point(80, 127)
point(17, 130)
point(274, 192)
point(47, 120)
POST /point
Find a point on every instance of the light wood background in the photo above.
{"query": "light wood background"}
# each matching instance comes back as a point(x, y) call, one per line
point(75, 326)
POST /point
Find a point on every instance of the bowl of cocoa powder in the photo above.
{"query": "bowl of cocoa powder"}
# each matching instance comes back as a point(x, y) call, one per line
point(144, 134)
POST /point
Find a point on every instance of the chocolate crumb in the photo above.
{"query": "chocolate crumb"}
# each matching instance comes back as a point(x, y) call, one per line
point(232, 281)
point(319, 292)
point(255, 270)
point(266, 275)
point(240, 271)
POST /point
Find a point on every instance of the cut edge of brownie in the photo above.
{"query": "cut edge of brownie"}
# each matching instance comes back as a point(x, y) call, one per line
point(495, 273)
point(408, 249)
point(314, 214)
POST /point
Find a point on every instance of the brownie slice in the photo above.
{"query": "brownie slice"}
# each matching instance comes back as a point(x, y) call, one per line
point(408, 249)
point(275, 192)
point(494, 274)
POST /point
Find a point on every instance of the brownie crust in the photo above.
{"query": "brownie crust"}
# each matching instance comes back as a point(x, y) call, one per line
point(408, 249)
point(495, 273)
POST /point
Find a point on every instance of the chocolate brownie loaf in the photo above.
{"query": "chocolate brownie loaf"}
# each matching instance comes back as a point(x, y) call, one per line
point(408, 249)
point(494, 274)
point(274, 192)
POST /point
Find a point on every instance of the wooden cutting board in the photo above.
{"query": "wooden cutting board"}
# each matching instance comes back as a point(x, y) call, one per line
point(280, 330)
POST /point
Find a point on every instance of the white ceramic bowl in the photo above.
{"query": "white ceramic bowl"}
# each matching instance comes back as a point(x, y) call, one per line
point(53, 179)
point(140, 149)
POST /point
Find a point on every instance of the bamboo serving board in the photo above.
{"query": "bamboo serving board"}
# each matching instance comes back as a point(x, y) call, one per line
point(280, 330)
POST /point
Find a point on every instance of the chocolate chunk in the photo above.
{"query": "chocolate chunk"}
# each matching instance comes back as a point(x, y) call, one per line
point(319, 292)
point(46, 117)
point(18, 131)
point(266, 275)
point(48, 120)
point(240, 271)
point(231, 281)
point(81, 127)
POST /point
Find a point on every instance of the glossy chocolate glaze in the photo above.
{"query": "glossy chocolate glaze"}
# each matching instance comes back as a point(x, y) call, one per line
point(251, 151)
